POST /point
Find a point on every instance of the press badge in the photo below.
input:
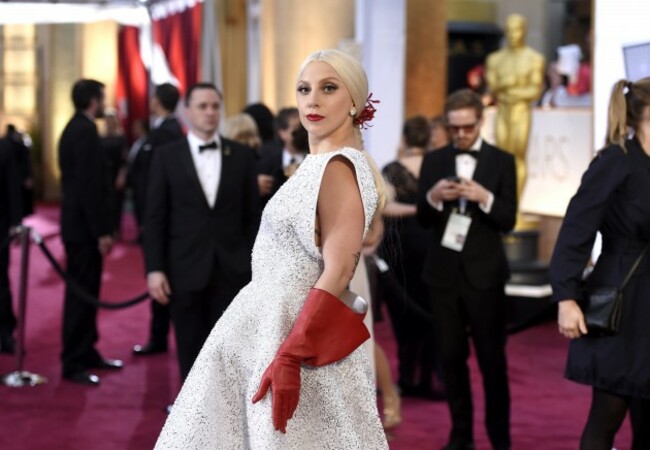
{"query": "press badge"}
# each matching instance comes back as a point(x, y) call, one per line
point(456, 231)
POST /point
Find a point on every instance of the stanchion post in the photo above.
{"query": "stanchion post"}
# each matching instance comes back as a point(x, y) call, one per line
point(21, 377)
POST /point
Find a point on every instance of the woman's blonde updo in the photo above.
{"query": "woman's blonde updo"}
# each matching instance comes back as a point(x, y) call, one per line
point(354, 77)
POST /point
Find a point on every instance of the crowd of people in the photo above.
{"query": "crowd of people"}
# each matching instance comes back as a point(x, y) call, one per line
point(298, 192)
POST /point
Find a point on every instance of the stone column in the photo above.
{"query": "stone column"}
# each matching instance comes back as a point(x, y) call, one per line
point(426, 57)
point(291, 30)
point(231, 15)
point(61, 66)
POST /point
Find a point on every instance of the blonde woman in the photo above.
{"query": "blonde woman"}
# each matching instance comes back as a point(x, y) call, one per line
point(243, 129)
point(613, 199)
point(282, 369)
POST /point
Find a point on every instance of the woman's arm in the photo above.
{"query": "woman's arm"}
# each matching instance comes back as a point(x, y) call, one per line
point(399, 209)
point(341, 224)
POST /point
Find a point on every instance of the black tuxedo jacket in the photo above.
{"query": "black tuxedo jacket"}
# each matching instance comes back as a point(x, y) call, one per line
point(168, 131)
point(184, 237)
point(10, 192)
point(483, 258)
point(270, 163)
point(85, 184)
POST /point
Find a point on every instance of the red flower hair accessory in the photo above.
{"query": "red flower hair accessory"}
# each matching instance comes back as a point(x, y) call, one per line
point(366, 114)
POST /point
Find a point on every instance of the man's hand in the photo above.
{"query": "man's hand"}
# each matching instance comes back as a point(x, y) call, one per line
point(104, 244)
point(265, 184)
point(473, 191)
point(158, 287)
point(570, 319)
point(444, 190)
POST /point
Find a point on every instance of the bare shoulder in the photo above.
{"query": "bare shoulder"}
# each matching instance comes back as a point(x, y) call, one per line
point(339, 172)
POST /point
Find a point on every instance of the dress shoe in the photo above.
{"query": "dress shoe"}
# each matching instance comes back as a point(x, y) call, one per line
point(83, 377)
point(149, 348)
point(106, 363)
point(7, 344)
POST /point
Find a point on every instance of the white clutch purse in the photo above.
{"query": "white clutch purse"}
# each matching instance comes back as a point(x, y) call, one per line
point(354, 302)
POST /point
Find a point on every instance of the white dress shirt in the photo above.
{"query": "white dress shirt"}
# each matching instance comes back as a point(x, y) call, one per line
point(207, 164)
point(466, 164)
point(287, 157)
point(465, 167)
point(157, 121)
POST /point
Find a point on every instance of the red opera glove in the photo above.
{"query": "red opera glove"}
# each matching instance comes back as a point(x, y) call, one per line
point(326, 331)
point(284, 375)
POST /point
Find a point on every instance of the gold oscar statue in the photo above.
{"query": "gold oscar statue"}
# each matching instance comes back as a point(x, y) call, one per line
point(515, 76)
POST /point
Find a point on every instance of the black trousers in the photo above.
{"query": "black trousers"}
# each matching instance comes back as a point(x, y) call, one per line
point(194, 314)
point(461, 311)
point(159, 326)
point(84, 266)
point(160, 317)
point(7, 317)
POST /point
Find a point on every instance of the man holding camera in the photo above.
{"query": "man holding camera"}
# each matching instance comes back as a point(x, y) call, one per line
point(468, 199)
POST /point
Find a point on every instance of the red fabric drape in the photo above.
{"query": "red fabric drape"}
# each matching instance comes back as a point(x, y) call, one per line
point(179, 37)
point(132, 79)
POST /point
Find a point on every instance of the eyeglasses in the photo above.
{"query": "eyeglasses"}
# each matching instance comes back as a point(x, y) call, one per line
point(466, 128)
point(454, 129)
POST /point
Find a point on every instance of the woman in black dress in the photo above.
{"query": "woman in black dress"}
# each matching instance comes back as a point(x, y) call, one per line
point(404, 250)
point(612, 199)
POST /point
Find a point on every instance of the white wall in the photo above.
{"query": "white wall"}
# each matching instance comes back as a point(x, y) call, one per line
point(616, 24)
point(380, 30)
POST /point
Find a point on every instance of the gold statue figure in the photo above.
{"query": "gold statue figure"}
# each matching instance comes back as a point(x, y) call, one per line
point(515, 76)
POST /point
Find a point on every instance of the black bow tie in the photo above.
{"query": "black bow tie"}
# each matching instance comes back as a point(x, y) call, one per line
point(472, 153)
point(212, 145)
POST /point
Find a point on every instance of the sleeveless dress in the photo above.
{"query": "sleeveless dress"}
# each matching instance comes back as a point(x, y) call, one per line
point(337, 407)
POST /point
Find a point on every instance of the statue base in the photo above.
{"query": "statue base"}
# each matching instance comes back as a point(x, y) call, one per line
point(526, 222)
point(521, 252)
point(528, 290)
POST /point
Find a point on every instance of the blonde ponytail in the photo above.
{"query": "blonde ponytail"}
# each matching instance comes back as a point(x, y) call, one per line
point(617, 115)
point(380, 184)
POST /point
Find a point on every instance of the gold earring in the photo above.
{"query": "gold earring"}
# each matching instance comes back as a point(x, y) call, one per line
point(353, 111)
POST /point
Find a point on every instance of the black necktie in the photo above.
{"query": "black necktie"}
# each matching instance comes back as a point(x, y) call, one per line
point(472, 153)
point(212, 145)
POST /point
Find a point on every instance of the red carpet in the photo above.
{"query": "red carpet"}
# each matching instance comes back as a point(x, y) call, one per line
point(127, 411)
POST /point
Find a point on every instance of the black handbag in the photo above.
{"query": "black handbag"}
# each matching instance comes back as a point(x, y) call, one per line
point(603, 306)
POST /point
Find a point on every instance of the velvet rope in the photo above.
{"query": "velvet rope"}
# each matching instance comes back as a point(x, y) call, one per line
point(83, 295)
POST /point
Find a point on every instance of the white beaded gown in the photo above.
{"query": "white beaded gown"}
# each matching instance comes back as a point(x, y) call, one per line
point(337, 407)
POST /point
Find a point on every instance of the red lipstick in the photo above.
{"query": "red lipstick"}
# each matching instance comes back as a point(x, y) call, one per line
point(314, 117)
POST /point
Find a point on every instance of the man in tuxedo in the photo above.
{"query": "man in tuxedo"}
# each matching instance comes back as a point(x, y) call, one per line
point(86, 231)
point(467, 198)
point(10, 217)
point(201, 218)
point(24, 167)
point(279, 158)
point(166, 129)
